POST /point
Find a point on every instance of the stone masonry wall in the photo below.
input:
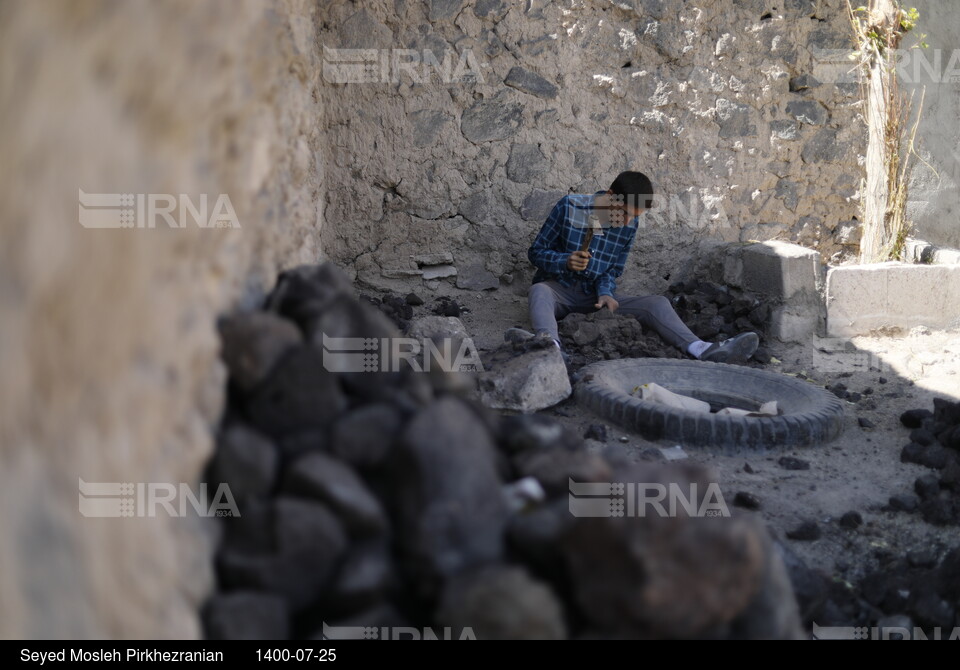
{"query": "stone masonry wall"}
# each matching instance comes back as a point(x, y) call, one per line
point(716, 101)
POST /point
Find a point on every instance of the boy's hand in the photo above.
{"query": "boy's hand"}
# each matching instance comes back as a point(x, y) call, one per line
point(607, 301)
point(577, 261)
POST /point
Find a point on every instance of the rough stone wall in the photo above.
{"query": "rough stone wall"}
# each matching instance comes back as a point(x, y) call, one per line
point(934, 205)
point(108, 344)
point(713, 100)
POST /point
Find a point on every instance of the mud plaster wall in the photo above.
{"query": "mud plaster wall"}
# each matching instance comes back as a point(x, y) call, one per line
point(108, 345)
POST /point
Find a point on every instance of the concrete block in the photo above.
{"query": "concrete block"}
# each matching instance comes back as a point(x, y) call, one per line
point(856, 299)
point(951, 293)
point(861, 298)
point(793, 325)
point(780, 269)
point(913, 250)
point(786, 274)
point(946, 257)
point(919, 251)
point(917, 294)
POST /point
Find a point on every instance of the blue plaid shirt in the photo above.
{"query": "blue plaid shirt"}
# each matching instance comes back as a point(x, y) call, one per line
point(564, 232)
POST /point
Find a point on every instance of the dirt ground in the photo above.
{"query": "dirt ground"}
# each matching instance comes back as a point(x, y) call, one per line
point(859, 471)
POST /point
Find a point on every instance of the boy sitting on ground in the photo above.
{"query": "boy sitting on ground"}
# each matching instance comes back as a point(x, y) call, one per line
point(582, 250)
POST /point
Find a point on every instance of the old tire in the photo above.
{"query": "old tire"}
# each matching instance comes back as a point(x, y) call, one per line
point(809, 415)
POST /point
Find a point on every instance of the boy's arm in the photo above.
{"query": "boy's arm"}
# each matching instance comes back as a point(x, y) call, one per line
point(542, 252)
point(607, 282)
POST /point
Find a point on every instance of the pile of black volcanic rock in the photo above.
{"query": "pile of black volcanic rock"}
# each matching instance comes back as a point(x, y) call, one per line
point(604, 335)
point(713, 312)
point(934, 443)
point(918, 592)
point(911, 594)
point(385, 503)
point(399, 309)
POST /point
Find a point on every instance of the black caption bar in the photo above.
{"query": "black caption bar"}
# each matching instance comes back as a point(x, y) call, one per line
point(327, 654)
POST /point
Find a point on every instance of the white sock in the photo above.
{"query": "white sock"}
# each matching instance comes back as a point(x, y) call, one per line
point(697, 348)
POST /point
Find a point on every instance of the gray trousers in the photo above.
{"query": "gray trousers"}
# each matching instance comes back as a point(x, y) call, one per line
point(549, 301)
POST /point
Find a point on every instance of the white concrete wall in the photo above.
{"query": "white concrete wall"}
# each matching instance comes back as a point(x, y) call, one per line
point(934, 198)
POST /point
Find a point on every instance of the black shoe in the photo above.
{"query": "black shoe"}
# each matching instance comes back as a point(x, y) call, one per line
point(738, 348)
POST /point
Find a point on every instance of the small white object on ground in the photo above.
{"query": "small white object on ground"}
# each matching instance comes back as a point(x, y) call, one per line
point(520, 494)
point(766, 409)
point(674, 453)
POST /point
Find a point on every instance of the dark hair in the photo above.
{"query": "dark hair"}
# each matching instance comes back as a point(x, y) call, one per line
point(636, 188)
